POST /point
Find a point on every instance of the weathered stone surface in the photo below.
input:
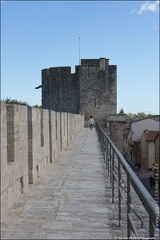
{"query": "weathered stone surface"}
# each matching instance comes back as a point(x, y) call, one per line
point(31, 139)
point(91, 90)
point(71, 200)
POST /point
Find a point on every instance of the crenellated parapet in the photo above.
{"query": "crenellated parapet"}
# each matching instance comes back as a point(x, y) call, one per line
point(31, 139)
point(55, 70)
point(59, 88)
point(91, 90)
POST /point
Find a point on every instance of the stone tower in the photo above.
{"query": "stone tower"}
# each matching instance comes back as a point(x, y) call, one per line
point(91, 90)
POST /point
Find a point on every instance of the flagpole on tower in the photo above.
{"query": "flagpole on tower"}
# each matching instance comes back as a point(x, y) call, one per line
point(79, 52)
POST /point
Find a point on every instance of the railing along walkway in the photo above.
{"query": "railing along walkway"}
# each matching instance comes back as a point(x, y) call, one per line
point(138, 212)
point(72, 199)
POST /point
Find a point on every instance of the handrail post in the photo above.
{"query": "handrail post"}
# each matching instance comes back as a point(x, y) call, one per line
point(105, 156)
point(110, 156)
point(128, 205)
point(112, 174)
point(119, 193)
point(151, 228)
point(104, 147)
point(107, 163)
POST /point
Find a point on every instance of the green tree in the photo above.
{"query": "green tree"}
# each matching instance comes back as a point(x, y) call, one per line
point(131, 115)
point(15, 101)
point(121, 111)
point(37, 106)
point(141, 115)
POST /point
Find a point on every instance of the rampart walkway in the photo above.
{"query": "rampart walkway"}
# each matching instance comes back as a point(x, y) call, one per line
point(72, 199)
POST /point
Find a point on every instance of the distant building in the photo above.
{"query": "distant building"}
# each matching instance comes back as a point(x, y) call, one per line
point(91, 90)
point(157, 146)
point(157, 154)
point(148, 150)
point(138, 127)
point(132, 135)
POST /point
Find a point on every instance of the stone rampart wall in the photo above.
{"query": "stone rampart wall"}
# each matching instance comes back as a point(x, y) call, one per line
point(116, 134)
point(31, 139)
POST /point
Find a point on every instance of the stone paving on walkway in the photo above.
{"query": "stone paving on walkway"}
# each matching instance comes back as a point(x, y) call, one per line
point(72, 199)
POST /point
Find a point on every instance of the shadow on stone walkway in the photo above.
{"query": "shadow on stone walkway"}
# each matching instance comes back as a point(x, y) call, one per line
point(72, 199)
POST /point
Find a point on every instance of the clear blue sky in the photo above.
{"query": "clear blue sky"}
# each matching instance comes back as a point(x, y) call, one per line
point(43, 34)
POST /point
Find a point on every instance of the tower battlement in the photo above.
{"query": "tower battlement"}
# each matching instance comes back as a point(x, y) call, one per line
point(95, 62)
point(91, 90)
point(56, 70)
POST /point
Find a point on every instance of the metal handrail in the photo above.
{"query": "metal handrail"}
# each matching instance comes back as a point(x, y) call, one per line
point(124, 189)
point(150, 205)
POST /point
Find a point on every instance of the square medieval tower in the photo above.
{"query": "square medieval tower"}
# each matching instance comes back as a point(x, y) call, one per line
point(98, 88)
point(91, 90)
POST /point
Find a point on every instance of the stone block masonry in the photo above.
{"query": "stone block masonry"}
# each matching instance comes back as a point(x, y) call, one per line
point(31, 139)
point(60, 90)
point(98, 89)
point(91, 90)
point(115, 125)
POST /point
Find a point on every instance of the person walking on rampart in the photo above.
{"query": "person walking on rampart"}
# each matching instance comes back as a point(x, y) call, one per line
point(139, 166)
point(124, 154)
point(131, 154)
point(91, 122)
point(151, 180)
